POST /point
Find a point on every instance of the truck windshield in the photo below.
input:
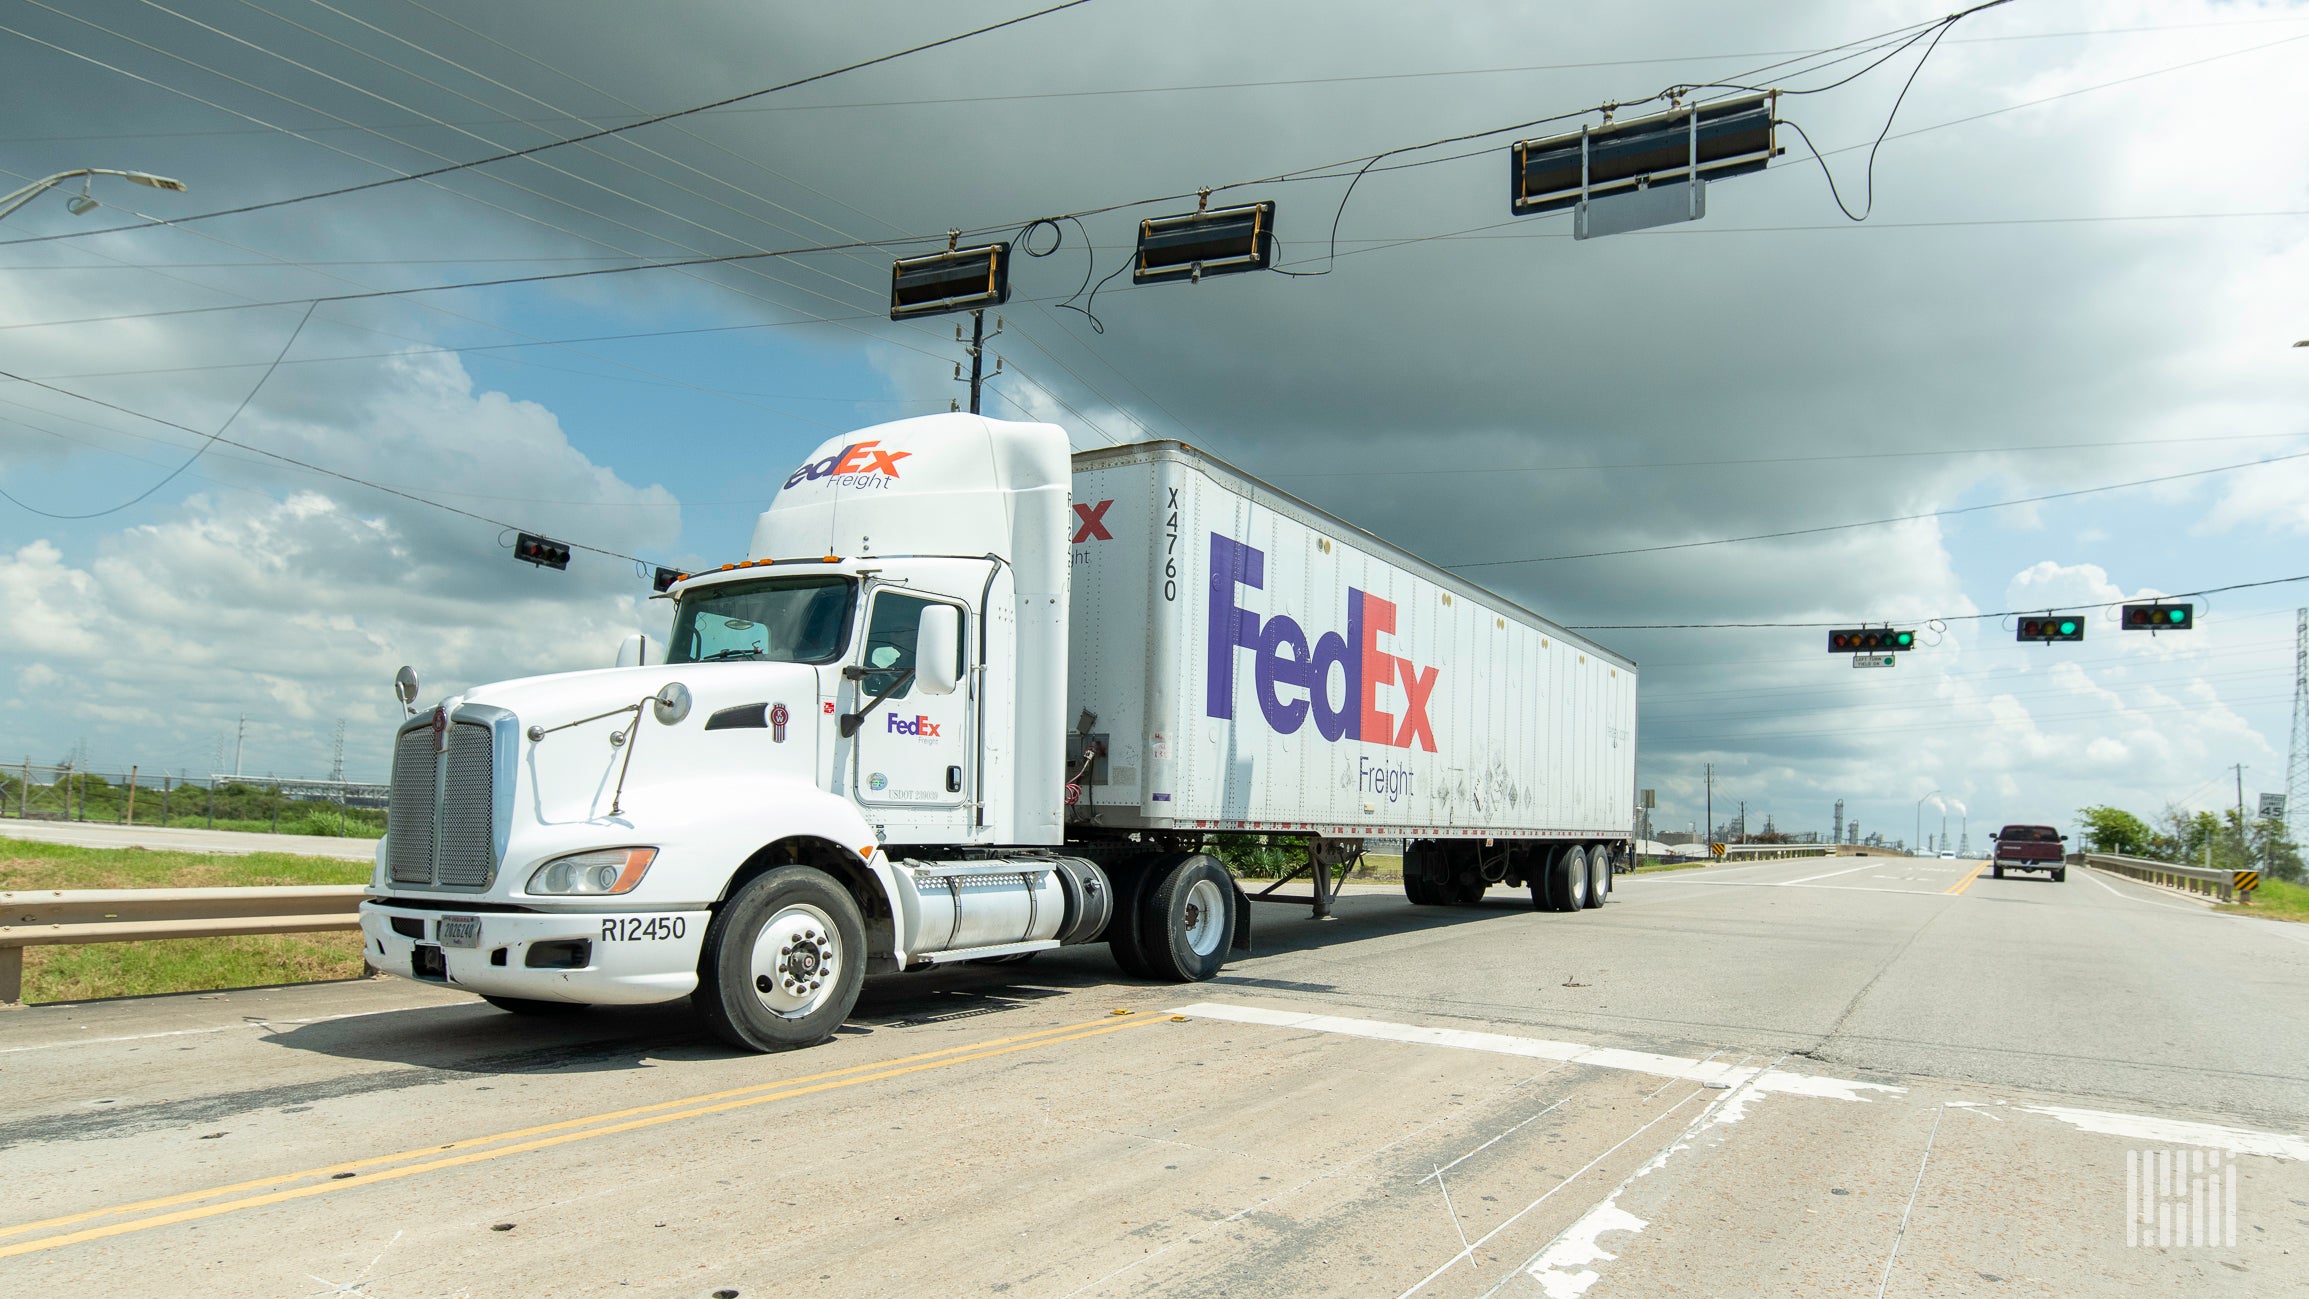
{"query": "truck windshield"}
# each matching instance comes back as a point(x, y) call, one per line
point(786, 619)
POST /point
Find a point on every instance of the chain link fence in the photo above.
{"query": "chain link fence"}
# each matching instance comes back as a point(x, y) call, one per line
point(266, 804)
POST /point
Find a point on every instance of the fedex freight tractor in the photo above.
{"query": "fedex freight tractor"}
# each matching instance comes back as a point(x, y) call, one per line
point(970, 698)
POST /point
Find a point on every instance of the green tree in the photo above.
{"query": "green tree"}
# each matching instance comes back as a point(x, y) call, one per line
point(2279, 857)
point(2114, 830)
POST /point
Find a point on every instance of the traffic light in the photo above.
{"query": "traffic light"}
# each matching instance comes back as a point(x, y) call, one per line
point(959, 279)
point(2052, 627)
point(663, 579)
point(2160, 617)
point(1211, 242)
point(1665, 150)
point(544, 552)
point(1870, 640)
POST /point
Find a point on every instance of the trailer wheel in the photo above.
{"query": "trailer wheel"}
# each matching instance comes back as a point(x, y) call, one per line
point(783, 961)
point(1129, 878)
point(1598, 875)
point(1567, 880)
point(1419, 882)
point(1188, 918)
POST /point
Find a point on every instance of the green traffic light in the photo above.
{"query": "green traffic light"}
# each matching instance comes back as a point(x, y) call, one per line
point(2068, 629)
point(2176, 615)
point(1907, 638)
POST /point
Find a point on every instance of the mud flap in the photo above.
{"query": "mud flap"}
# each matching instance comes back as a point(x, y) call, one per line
point(1242, 938)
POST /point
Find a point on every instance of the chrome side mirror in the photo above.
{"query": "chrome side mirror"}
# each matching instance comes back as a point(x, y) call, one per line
point(405, 689)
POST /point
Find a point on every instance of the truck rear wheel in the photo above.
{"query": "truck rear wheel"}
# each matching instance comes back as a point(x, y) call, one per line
point(1996, 872)
point(2060, 874)
point(1567, 880)
point(783, 961)
point(1598, 875)
point(1187, 919)
point(1420, 883)
point(1129, 878)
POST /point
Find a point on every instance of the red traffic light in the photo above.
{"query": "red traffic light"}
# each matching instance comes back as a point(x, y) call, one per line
point(1865, 640)
point(544, 552)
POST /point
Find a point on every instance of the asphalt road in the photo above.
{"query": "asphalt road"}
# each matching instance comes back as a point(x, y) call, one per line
point(1849, 1077)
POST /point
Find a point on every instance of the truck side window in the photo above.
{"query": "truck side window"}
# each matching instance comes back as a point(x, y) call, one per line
point(891, 634)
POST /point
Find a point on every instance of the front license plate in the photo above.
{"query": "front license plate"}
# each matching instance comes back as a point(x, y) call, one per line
point(458, 931)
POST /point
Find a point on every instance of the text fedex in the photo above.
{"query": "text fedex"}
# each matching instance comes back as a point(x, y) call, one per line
point(1292, 676)
point(860, 464)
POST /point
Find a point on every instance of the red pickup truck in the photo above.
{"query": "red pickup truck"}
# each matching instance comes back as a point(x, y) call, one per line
point(2029, 848)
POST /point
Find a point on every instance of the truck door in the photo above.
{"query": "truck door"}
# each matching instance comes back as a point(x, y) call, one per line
point(916, 749)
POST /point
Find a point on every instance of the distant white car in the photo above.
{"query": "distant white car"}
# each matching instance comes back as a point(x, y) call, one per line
point(1948, 854)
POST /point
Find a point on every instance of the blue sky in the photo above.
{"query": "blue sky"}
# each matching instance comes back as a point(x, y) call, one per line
point(2089, 228)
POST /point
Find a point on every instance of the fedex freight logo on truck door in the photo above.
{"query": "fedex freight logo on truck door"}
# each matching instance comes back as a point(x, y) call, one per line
point(1286, 661)
point(860, 464)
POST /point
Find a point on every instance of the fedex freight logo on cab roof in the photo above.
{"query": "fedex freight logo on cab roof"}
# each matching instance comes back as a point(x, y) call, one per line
point(1292, 675)
point(860, 464)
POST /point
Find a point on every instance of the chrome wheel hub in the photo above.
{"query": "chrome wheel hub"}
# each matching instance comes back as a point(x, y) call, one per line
point(797, 959)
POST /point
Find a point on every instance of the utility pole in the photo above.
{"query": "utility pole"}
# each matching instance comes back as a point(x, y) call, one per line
point(2297, 760)
point(978, 337)
point(240, 737)
point(2244, 842)
point(1743, 820)
point(1711, 778)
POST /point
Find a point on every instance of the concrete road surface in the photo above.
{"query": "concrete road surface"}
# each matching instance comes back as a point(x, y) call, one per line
point(1885, 1077)
point(95, 834)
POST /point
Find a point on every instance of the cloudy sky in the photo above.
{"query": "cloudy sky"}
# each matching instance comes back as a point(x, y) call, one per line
point(2085, 263)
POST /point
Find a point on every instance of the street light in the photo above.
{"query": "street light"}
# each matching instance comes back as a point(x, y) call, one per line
point(85, 202)
point(1920, 821)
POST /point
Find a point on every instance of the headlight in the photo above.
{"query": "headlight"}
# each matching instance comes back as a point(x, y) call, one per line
point(604, 870)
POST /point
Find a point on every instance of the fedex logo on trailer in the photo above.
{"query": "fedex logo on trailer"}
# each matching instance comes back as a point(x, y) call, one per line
point(860, 464)
point(1288, 661)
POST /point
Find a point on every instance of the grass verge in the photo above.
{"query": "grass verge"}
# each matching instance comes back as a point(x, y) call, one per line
point(1654, 865)
point(183, 964)
point(2276, 900)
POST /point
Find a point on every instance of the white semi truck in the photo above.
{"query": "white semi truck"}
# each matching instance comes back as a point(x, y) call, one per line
point(968, 698)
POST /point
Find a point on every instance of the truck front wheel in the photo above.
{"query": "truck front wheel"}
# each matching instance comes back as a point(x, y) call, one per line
point(783, 961)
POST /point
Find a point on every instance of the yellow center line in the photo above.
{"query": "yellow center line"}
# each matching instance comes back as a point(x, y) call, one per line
point(1969, 876)
point(1036, 1038)
point(478, 1156)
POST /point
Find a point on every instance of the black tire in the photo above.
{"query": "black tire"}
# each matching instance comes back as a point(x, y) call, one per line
point(1567, 880)
point(1187, 920)
point(1420, 885)
point(1599, 860)
point(2060, 875)
point(1996, 872)
point(1466, 892)
point(741, 1000)
point(1129, 878)
point(1540, 866)
point(532, 1006)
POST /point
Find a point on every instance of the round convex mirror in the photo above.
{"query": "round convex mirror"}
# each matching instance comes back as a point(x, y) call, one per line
point(405, 685)
point(672, 703)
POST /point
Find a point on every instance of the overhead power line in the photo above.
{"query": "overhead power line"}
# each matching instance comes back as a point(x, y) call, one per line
point(1873, 523)
point(599, 134)
point(219, 438)
point(1944, 618)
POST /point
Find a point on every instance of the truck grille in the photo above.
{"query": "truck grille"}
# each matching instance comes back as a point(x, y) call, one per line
point(440, 825)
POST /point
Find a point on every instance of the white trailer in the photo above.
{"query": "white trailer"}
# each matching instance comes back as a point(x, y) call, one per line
point(966, 700)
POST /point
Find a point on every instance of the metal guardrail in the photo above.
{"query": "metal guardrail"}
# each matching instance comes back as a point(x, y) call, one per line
point(1775, 851)
point(34, 917)
point(2187, 879)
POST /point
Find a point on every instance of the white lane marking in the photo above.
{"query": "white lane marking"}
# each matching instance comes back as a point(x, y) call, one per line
point(1853, 870)
point(265, 1025)
point(2193, 908)
point(1832, 888)
point(1645, 1062)
point(2217, 1136)
point(1583, 1170)
point(1554, 1266)
point(1438, 1173)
